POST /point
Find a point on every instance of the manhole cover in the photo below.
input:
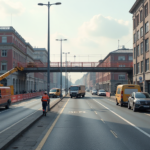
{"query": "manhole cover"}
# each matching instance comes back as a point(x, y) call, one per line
point(15, 147)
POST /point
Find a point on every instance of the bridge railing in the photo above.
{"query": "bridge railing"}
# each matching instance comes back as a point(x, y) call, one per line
point(76, 64)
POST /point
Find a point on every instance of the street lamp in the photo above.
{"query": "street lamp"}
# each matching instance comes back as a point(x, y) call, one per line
point(61, 63)
point(48, 44)
point(66, 85)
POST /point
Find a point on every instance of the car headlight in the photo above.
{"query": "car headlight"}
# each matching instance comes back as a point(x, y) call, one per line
point(138, 103)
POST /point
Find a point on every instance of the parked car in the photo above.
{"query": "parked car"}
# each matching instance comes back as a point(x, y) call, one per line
point(101, 92)
point(94, 92)
point(123, 92)
point(139, 101)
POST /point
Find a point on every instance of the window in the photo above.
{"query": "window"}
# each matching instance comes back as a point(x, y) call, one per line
point(121, 65)
point(134, 68)
point(121, 58)
point(134, 53)
point(138, 35)
point(141, 66)
point(146, 45)
point(138, 49)
point(134, 23)
point(130, 57)
point(137, 19)
point(4, 53)
point(118, 91)
point(134, 37)
point(121, 77)
point(146, 10)
point(146, 64)
point(138, 67)
point(4, 66)
point(141, 15)
point(141, 31)
point(141, 48)
point(4, 39)
point(146, 27)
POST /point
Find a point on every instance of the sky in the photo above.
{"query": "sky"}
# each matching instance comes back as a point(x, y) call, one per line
point(92, 28)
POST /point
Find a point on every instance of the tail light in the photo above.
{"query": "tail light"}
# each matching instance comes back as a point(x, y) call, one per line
point(121, 94)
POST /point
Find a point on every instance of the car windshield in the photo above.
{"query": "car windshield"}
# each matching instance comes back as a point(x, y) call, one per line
point(74, 88)
point(53, 90)
point(142, 95)
point(101, 90)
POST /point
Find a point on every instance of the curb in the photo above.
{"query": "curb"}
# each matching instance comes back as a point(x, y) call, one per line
point(12, 138)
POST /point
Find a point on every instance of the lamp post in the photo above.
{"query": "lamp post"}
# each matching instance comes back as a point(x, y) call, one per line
point(61, 64)
point(48, 44)
point(66, 85)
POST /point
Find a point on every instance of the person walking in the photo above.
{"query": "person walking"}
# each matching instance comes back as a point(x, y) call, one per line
point(45, 100)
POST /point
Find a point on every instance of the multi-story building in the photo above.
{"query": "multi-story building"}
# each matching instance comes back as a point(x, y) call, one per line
point(13, 50)
point(110, 80)
point(141, 35)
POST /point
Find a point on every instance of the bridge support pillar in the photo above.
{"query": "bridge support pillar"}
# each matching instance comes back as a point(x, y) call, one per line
point(130, 77)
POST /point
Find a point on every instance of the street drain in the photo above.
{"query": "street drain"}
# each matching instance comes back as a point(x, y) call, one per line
point(15, 147)
point(40, 126)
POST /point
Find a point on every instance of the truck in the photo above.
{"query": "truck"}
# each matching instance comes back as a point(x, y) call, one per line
point(7, 91)
point(77, 91)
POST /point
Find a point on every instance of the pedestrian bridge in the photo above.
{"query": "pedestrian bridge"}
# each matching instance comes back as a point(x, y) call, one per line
point(79, 67)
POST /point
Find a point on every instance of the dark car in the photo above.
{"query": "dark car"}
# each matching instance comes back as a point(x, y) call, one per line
point(139, 101)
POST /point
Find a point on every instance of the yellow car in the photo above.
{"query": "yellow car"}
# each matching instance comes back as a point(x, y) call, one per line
point(55, 92)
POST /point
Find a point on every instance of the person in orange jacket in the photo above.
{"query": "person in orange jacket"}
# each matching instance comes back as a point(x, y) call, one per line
point(45, 101)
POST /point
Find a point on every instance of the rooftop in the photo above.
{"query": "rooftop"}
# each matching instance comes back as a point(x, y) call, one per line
point(135, 5)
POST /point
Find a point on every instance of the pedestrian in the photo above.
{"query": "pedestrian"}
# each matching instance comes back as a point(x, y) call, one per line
point(45, 101)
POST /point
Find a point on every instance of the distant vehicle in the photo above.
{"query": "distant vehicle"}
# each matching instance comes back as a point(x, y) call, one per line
point(139, 101)
point(94, 92)
point(101, 92)
point(88, 90)
point(124, 91)
point(55, 92)
point(77, 91)
point(5, 97)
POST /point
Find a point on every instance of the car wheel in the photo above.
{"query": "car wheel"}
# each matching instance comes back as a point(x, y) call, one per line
point(53, 96)
point(116, 102)
point(7, 106)
point(71, 96)
point(134, 109)
point(129, 107)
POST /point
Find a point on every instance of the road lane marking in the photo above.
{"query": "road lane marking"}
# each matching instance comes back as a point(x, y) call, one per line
point(102, 120)
point(19, 121)
point(147, 114)
point(75, 112)
point(50, 129)
point(114, 133)
point(95, 112)
point(133, 125)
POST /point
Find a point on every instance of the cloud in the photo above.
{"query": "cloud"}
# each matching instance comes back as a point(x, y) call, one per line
point(8, 7)
point(100, 26)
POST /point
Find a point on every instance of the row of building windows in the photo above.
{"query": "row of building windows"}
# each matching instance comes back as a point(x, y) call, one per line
point(141, 64)
point(139, 49)
point(18, 57)
point(137, 18)
point(123, 58)
point(140, 33)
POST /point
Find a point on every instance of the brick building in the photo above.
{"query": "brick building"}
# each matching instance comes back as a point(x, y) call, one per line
point(14, 49)
point(141, 35)
point(110, 80)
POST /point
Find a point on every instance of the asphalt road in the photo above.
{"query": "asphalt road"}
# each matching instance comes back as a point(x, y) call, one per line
point(19, 111)
point(96, 123)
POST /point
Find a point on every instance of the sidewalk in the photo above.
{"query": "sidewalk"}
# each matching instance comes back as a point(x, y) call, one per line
point(11, 133)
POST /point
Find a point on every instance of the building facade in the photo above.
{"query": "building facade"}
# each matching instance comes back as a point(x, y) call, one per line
point(141, 35)
point(109, 80)
point(13, 50)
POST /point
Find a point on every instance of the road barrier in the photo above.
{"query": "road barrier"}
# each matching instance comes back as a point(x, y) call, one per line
point(108, 94)
point(20, 97)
